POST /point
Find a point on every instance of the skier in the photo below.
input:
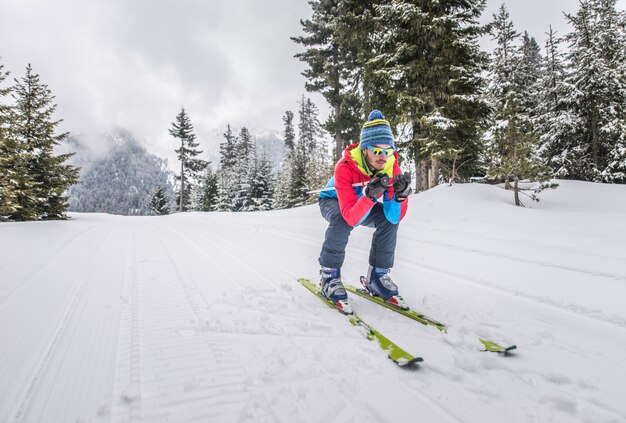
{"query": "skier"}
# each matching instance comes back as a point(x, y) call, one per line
point(373, 160)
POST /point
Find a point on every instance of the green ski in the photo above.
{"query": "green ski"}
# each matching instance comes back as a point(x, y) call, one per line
point(493, 347)
point(397, 354)
point(412, 314)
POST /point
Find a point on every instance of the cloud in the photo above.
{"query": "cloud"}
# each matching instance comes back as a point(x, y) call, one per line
point(134, 64)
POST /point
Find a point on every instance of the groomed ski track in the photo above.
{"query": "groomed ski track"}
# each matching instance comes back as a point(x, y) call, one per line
point(198, 317)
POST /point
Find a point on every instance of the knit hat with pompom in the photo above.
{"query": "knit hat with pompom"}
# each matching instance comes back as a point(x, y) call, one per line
point(376, 131)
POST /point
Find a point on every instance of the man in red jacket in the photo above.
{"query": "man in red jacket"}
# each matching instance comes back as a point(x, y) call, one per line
point(376, 202)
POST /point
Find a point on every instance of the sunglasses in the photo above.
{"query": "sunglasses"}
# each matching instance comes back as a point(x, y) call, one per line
point(378, 151)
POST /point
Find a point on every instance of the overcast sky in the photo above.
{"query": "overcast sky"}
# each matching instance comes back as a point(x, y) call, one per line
point(135, 63)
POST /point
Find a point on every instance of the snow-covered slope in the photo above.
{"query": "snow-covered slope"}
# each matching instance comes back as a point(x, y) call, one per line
point(198, 317)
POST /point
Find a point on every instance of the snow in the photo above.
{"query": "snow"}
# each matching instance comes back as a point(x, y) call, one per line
point(198, 316)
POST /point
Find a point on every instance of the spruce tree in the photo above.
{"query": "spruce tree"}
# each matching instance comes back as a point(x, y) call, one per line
point(528, 73)
point(159, 204)
point(512, 142)
point(244, 172)
point(330, 58)
point(429, 56)
point(289, 133)
point(297, 184)
point(308, 131)
point(598, 76)
point(44, 177)
point(264, 184)
point(191, 167)
point(227, 178)
point(310, 164)
point(208, 191)
point(8, 197)
point(282, 182)
point(554, 122)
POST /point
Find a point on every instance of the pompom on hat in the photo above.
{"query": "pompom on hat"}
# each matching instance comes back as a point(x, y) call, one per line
point(376, 131)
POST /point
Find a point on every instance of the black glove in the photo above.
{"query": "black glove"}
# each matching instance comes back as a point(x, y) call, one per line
point(377, 185)
point(402, 186)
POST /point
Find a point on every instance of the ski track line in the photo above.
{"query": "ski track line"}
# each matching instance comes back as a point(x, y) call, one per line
point(520, 299)
point(273, 310)
point(171, 378)
point(42, 367)
point(542, 263)
point(421, 228)
point(430, 402)
point(547, 318)
point(507, 293)
point(227, 251)
point(41, 268)
point(127, 360)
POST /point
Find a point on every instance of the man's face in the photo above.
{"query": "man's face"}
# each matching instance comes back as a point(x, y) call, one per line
point(377, 162)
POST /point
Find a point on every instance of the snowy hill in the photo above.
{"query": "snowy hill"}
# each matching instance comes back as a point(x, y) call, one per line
point(198, 317)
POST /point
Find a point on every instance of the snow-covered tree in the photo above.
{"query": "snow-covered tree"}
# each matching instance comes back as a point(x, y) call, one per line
point(428, 52)
point(8, 197)
point(263, 184)
point(191, 167)
point(527, 75)
point(159, 204)
point(289, 133)
point(598, 99)
point(44, 177)
point(244, 172)
point(309, 165)
point(512, 144)
point(227, 178)
point(554, 121)
point(330, 56)
point(208, 191)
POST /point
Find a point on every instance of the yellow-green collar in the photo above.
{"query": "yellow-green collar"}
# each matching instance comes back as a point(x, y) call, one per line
point(357, 155)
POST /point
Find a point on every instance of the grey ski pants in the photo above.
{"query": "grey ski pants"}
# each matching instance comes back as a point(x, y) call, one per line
point(383, 246)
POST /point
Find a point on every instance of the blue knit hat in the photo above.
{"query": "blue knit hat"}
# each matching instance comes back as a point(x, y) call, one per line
point(376, 131)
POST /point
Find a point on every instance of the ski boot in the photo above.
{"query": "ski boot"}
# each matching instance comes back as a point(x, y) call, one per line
point(332, 288)
point(379, 284)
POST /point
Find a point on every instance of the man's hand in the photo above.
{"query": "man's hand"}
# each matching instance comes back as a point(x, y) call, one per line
point(402, 186)
point(377, 185)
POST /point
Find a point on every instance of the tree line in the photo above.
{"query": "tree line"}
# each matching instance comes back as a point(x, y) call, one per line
point(515, 114)
point(244, 179)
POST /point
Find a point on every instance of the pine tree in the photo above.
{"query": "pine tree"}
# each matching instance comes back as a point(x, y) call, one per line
point(282, 182)
point(289, 133)
point(512, 142)
point(244, 172)
point(297, 184)
point(228, 152)
point(190, 167)
point(8, 197)
point(264, 184)
point(329, 57)
point(555, 123)
point(428, 55)
point(527, 75)
point(159, 204)
point(209, 191)
point(308, 131)
point(597, 56)
point(227, 178)
point(44, 178)
point(310, 163)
